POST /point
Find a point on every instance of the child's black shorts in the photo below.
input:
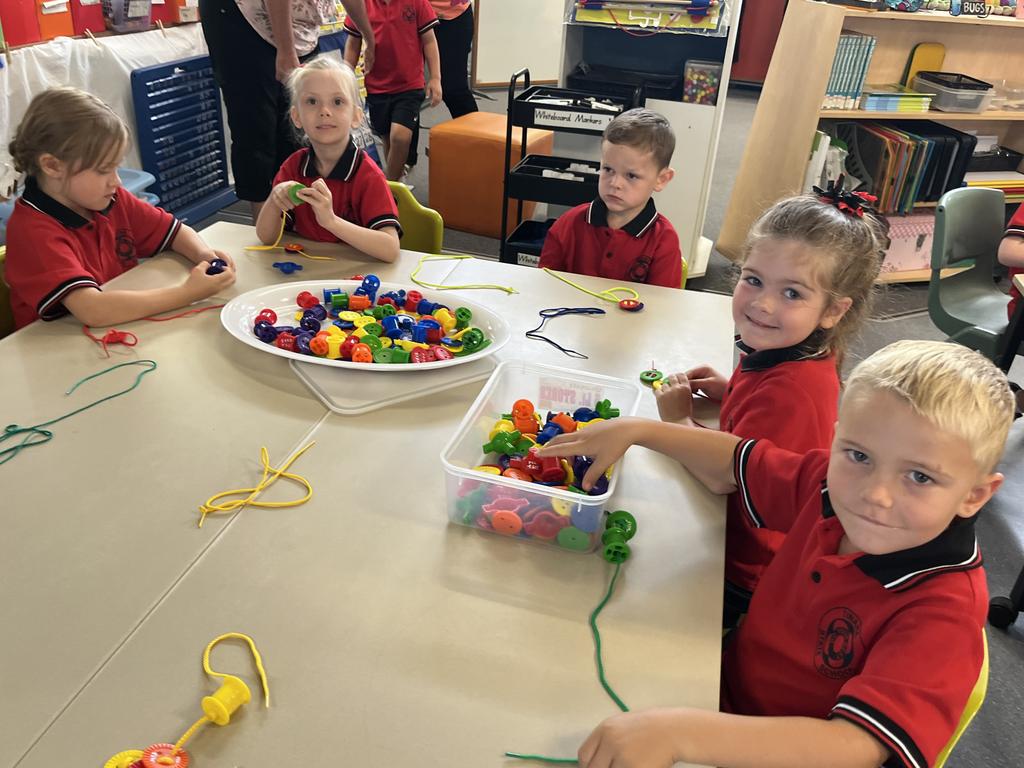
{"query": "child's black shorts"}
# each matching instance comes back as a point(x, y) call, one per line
point(387, 108)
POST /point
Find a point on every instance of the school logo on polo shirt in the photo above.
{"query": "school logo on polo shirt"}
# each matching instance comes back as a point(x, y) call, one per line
point(638, 272)
point(409, 14)
point(840, 646)
point(125, 245)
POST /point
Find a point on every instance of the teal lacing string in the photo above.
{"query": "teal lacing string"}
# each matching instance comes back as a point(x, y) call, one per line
point(600, 676)
point(37, 434)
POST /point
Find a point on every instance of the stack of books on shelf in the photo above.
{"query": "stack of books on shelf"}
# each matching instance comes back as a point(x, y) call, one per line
point(1011, 182)
point(894, 97)
point(849, 70)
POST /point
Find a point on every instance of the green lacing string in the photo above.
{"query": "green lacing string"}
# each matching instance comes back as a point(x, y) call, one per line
point(37, 434)
point(600, 676)
point(597, 640)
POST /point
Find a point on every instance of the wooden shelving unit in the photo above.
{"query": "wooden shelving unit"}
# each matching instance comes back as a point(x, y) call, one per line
point(775, 156)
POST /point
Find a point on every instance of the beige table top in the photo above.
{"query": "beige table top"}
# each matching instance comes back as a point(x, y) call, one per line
point(390, 636)
point(101, 522)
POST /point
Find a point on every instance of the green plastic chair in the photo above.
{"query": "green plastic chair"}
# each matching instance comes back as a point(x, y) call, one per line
point(6, 314)
point(968, 306)
point(422, 227)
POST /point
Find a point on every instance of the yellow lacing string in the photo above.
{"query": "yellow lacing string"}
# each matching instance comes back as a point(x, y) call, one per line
point(255, 655)
point(606, 295)
point(425, 258)
point(194, 728)
point(180, 743)
point(213, 505)
point(277, 245)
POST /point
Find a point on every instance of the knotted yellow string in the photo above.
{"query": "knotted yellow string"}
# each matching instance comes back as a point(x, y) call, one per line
point(608, 294)
point(213, 504)
point(427, 257)
point(277, 245)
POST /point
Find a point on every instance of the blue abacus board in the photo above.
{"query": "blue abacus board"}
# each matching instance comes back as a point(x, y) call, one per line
point(181, 136)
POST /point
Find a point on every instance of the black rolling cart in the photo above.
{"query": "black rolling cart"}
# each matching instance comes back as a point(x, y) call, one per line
point(549, 179)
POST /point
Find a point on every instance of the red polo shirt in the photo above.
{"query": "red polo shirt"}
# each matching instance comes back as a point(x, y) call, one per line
point(358, 188)
point(893, 643)
point(789, 398)
point(52, 251)
point(646, 250)
point(1015, 229)
point(397, 26)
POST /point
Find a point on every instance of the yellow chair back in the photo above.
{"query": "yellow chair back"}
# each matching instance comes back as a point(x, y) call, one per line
point(974, 702)
point(422, 227)
point(6, 314)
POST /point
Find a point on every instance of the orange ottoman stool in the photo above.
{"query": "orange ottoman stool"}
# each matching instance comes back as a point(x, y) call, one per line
point(467, 160)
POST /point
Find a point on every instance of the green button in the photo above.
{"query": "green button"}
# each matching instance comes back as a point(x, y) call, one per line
point(293, 193)
point(573, 538)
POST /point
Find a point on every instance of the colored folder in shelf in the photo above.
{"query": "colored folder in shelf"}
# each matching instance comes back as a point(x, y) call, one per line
point(1010, 182)
point(904, 163)
point(894, 97)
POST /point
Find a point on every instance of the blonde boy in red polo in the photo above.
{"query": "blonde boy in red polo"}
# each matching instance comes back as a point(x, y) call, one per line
point(829, 667)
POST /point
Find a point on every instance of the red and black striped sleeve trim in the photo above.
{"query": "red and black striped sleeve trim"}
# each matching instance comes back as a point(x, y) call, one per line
point(904, 752)
point(50, 307)
point(172, 232)
point(352, 30)
point(385, 220)
point(1014, 231)
point(429, 25)
point(739, 467)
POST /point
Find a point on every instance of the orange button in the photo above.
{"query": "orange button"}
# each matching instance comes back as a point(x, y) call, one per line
point(508, 523)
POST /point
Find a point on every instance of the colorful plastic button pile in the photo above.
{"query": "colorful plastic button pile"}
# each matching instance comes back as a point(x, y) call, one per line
point(393, 328)
point(514, 441)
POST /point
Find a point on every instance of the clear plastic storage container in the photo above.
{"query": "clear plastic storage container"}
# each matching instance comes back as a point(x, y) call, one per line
point(701, 80)
point(571, 521)
point(955, 92)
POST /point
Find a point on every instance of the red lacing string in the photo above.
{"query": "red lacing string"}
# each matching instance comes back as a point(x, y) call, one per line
point(129, 339)
point(113, 336)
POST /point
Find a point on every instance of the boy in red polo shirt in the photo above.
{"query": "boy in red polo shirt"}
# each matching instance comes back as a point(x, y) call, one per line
point(75, 227)
point(404, 33)
point(621, 235)
point(864, 638)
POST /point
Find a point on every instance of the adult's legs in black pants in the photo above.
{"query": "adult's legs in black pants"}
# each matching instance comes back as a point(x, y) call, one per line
point(454, 41)
point(262, 136)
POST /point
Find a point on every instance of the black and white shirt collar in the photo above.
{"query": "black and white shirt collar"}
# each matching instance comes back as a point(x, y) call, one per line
point(755, 360)
point(597, 215)
point(34, 197)
point(344, 170)
point(955, 549)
